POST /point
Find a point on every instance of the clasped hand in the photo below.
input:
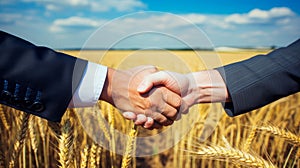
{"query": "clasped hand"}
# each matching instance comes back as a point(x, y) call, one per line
point(151, 98)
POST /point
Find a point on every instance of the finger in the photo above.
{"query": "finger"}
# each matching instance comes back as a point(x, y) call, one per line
point(171, 98)
point(140, 119)
point(149, 123)
point(184, 109)
point(152, 80)
point(129, 115)
point(159, 118)
point(169, 112)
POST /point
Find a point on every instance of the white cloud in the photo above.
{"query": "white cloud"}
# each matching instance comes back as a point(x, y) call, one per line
point(276, 26)
point(124, 5)
point(10, 17)
point(219, 28)
point(59, 24)
point(95, 5)
point(252, 34)
point(195, 18)
point(238, 19)
point(52, 7)
point(283, 21)
point(259, 16)
point(281, 12)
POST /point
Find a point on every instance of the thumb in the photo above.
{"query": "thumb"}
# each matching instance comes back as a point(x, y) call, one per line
point(145, 86)
point(151, 80)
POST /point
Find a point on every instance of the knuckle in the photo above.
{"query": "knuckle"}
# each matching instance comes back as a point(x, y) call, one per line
point(172, 114)
point(178, 102)
point(164, 120)
point(147, 104)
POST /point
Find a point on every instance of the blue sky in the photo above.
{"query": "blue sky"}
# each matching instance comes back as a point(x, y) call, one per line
point(70, 23)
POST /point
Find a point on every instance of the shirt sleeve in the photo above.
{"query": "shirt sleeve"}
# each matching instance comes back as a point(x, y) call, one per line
point(90, 87)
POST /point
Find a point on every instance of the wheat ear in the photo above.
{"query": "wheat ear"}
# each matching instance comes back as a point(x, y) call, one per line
point(2, 158)
point(236, 156)
point(98, 158)
point(127, 158)
point(33, 139)
point(84, 157)
point(3, 118)
point(93, 155)
point(249, 140)
point(42, 127)
point(285, 134)
point(20, 139)
point(65, 144)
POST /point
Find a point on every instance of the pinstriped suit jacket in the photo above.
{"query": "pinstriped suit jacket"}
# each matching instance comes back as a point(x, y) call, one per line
point(35, 79)
point(262, 79)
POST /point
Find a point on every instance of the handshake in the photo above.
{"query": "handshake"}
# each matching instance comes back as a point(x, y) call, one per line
point(154, 99)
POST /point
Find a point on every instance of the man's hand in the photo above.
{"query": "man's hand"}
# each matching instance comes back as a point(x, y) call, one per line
point(197, 87)
point(153, 109)
point(182, 84)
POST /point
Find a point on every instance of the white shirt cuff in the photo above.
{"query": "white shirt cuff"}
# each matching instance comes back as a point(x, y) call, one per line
point(90, 87)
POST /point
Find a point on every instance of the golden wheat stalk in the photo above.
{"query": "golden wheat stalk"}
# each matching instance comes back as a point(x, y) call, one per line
point(20, 139)
point(235, 156)
point(43, 127)
point(3, 118)
point(65, 145)
point(111, 121)
point(127, 157)
point(33, 139)
point(98, 158)
point(285, 134)
point(103, 127)
point(84, 157)
point(2, 158)
point(249, 140)
point(93, 155)
point(55, 128)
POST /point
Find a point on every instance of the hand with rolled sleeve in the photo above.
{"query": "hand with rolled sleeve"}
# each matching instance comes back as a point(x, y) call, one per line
point(43, 82)
point(197, 87)
point(241, 86)
point(159, 104)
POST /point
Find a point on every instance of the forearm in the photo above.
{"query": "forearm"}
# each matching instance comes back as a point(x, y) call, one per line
point(106, 94)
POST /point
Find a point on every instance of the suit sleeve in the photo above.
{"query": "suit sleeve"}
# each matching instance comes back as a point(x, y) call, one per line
point(262, 79)
point(37, 80)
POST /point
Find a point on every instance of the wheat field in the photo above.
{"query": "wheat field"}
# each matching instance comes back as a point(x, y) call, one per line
point(266, 137)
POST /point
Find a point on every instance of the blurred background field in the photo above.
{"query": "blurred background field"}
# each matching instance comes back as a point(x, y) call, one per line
point(266, 137)
point(113, 57)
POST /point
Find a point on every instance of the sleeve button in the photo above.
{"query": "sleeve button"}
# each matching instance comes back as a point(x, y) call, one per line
point(5, 95)
point(37, 106)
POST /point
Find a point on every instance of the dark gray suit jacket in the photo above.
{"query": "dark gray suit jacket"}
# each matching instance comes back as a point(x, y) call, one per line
point(35, 79)
point(262, 79)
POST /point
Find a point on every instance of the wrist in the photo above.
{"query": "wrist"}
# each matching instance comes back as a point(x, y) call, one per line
point(106, 94)
point(210, 87)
